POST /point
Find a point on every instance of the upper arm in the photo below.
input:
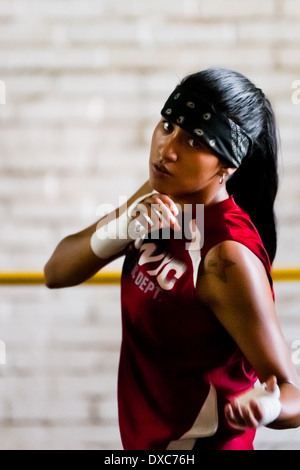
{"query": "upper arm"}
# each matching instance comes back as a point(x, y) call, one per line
point(73, 260)
point(234, 284)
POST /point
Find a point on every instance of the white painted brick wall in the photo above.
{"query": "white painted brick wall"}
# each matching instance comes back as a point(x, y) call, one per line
point(291, 8)
point(85, 82)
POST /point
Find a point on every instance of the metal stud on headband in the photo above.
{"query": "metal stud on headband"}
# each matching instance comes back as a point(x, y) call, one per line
point(199, 118)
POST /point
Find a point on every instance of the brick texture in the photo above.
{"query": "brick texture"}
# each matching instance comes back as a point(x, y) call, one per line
point(84, 83)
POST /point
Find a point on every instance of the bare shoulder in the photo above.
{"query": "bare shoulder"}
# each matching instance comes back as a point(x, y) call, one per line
point(228, 268)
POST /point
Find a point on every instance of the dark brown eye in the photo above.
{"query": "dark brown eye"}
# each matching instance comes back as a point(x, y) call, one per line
point(195, 144)
point(168, 126)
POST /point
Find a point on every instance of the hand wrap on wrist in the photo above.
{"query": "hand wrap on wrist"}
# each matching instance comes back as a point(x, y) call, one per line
point(113, 237)
point(268, 402)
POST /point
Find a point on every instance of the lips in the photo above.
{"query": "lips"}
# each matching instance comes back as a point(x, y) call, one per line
point(161, 169)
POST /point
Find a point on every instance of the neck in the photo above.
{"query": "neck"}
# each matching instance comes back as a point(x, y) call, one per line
point(201, 197)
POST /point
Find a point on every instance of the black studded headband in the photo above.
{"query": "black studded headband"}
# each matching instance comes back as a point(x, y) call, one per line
point(200, 119)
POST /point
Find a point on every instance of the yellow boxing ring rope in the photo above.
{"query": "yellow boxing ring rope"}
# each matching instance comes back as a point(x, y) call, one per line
point(14, 278)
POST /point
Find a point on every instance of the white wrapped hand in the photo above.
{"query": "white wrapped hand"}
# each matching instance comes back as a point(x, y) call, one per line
point(255, 408)
point(111, 238)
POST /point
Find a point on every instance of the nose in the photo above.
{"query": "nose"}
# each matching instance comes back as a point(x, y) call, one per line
point(169, 151)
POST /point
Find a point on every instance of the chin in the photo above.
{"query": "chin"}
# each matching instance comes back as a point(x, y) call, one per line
point(159, 186)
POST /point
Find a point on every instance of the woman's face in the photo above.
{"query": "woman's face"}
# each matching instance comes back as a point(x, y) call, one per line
point(182, 167)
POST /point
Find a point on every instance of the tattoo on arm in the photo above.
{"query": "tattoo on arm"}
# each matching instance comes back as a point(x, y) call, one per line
point(217, 265)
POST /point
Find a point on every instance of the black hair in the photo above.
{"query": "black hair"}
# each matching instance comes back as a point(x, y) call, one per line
point(254, 184)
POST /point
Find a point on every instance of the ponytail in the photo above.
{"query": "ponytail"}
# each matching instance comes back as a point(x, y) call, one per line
point(254, 184)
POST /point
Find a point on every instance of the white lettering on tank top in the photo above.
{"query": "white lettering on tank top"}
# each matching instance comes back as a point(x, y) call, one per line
point(169, 269)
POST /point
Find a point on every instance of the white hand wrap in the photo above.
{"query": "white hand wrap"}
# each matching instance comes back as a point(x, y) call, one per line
point(268, 402)
point(113, 237)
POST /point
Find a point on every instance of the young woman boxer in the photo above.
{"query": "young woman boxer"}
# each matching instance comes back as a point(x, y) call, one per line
point(203, 359)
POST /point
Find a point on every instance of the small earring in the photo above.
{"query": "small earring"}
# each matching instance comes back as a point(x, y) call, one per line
point(222, 179)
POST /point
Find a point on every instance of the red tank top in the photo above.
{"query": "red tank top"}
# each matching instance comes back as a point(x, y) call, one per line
point(173, 347)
